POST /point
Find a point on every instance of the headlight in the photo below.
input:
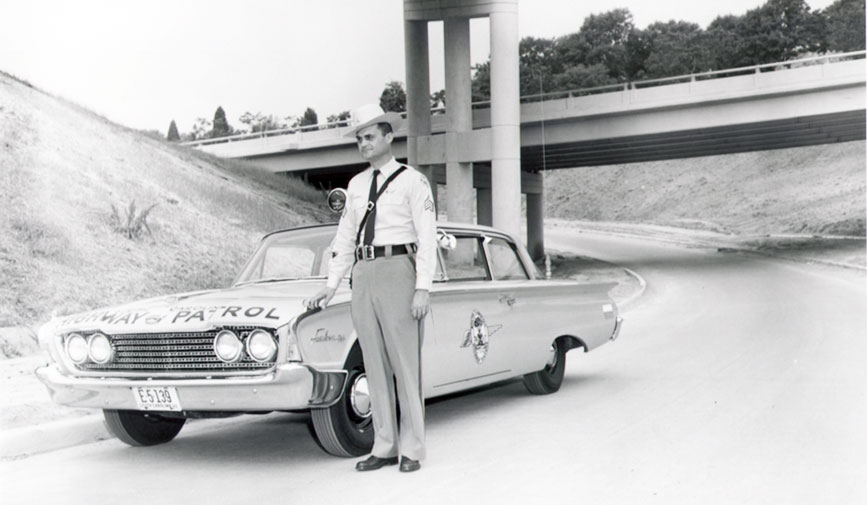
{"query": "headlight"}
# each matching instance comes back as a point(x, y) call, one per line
point(261, 346)
point(99, 349)
point(76, 348)
point(228, 346)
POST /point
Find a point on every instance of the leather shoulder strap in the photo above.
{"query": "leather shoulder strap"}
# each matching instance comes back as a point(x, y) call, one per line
point(371, 205)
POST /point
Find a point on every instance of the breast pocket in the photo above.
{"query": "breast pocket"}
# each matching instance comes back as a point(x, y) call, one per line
point(358, 204)
point(390, 200)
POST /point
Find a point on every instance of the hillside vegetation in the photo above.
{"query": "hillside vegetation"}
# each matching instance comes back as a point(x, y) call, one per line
point(807, 190)
point(62, 168)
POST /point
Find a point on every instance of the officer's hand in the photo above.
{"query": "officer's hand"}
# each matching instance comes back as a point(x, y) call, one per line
point(420, 304)
point(320, 299)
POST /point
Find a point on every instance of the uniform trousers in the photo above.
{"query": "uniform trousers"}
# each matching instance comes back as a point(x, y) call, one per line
point(391, 340)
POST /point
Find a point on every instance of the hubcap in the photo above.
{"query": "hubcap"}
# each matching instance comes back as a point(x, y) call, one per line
point(359, 396)
point(552, 356)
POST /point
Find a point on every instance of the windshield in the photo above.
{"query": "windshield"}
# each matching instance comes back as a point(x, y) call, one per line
point(292, 254)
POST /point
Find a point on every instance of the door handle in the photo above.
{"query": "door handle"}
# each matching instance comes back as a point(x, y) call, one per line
point(508, 299)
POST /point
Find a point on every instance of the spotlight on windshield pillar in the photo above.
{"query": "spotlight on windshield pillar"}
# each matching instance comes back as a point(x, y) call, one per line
point(337, 199)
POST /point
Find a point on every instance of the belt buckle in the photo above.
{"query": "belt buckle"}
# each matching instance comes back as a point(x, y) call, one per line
point(367, 253)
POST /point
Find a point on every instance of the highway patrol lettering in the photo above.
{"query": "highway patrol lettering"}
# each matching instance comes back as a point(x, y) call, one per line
point(174, 315)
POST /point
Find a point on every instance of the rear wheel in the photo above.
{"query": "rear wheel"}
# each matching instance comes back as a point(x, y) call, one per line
point(548, 380)
point(346, 428)
point(138, 428)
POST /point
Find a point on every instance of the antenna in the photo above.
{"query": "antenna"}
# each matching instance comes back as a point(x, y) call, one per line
point(544, 162)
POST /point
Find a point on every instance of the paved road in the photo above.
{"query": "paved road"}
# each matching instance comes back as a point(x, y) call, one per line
point(736, 380)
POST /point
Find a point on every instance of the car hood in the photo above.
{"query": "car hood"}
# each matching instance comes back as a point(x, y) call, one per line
point(268, 304)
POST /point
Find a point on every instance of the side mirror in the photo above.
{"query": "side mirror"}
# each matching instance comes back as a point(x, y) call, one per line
point(446, 241)
point(336, 200)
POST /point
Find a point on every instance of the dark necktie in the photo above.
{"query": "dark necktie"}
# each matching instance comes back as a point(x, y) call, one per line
point(371, 219)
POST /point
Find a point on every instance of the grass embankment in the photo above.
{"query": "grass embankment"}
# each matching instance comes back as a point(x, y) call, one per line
point(63, 168)
point(805, 190)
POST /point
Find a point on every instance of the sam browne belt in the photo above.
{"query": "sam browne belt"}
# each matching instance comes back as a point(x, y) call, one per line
point(369, 252)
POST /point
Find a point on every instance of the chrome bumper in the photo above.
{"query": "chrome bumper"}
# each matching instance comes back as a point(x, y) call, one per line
point(288, 387)
point(618, 323)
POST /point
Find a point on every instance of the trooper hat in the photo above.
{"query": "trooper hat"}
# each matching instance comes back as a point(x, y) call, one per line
point(371, 114)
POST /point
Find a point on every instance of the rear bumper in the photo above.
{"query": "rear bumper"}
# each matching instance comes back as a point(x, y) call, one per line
point(287, 387)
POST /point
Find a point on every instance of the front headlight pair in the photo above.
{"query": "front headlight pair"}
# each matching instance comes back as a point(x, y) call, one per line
point(96, 348)
point(259, 345)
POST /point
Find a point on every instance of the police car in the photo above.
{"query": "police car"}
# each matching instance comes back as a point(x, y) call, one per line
point(254, 347)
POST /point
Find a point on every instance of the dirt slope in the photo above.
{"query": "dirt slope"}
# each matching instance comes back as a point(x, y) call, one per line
point(61, 170)
point(816, 189)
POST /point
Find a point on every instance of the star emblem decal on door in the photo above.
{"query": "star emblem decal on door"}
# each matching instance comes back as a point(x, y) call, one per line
point(478, 336)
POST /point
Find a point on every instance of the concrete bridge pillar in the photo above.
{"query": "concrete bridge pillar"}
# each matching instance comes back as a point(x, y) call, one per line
point(484, 211)
point(459, 112)
point(535, 225)
point(505, 119)
point(498, 197)
point(417, 92)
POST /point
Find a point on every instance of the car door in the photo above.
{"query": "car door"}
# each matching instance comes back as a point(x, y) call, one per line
point(471, 344)
point(523, 297)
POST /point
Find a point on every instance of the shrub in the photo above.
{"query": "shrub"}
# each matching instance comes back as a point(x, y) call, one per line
point(132, 226)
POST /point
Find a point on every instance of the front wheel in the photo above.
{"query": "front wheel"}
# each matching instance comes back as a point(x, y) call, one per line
point(548, 380)
point(346, 428)
point(142, 428)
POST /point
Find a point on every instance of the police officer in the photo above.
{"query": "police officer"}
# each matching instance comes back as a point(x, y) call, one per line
point(393, 251)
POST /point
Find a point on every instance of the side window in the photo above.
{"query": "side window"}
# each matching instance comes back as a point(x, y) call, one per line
point(505, 263)
point(466, 262)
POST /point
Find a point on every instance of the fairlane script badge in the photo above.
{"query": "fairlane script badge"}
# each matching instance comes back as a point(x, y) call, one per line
point(478, 336)
point(322, 335)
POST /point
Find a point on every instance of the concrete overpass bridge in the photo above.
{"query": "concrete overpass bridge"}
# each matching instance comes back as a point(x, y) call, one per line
point(803, 102)
point(788, 104)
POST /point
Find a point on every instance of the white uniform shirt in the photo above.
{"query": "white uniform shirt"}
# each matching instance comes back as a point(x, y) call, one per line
point(405, 214)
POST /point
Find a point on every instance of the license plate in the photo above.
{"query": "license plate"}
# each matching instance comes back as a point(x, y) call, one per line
point(161, 398)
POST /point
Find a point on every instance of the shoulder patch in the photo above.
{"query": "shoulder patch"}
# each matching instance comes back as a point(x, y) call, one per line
point(423, 179)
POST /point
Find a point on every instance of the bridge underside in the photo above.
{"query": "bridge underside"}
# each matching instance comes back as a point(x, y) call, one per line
point(760, 136)
point(766, 135)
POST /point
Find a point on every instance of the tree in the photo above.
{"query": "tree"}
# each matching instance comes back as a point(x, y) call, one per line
point(172, 135)
point(583, 76)
point(259, 122)
point(309, 118)
point(438, 99)
point(221, 126)
point(605, 37)
point(538, 65)
point(393, 97)
point(674, 48)
point(336, 120)
point(780, 30)
point(845, 25)
point(725, 46)
point(201, 129)
point(481, 82)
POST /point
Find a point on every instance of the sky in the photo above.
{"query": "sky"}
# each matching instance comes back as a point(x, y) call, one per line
point(143, 64)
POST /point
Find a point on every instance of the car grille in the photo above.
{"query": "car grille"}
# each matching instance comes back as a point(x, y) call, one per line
point(173, 352)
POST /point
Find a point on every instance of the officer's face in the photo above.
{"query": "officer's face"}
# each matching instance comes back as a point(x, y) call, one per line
point(372, 144)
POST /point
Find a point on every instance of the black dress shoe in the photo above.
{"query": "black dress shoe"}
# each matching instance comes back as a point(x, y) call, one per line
point(409, 465)
point(374, 463)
